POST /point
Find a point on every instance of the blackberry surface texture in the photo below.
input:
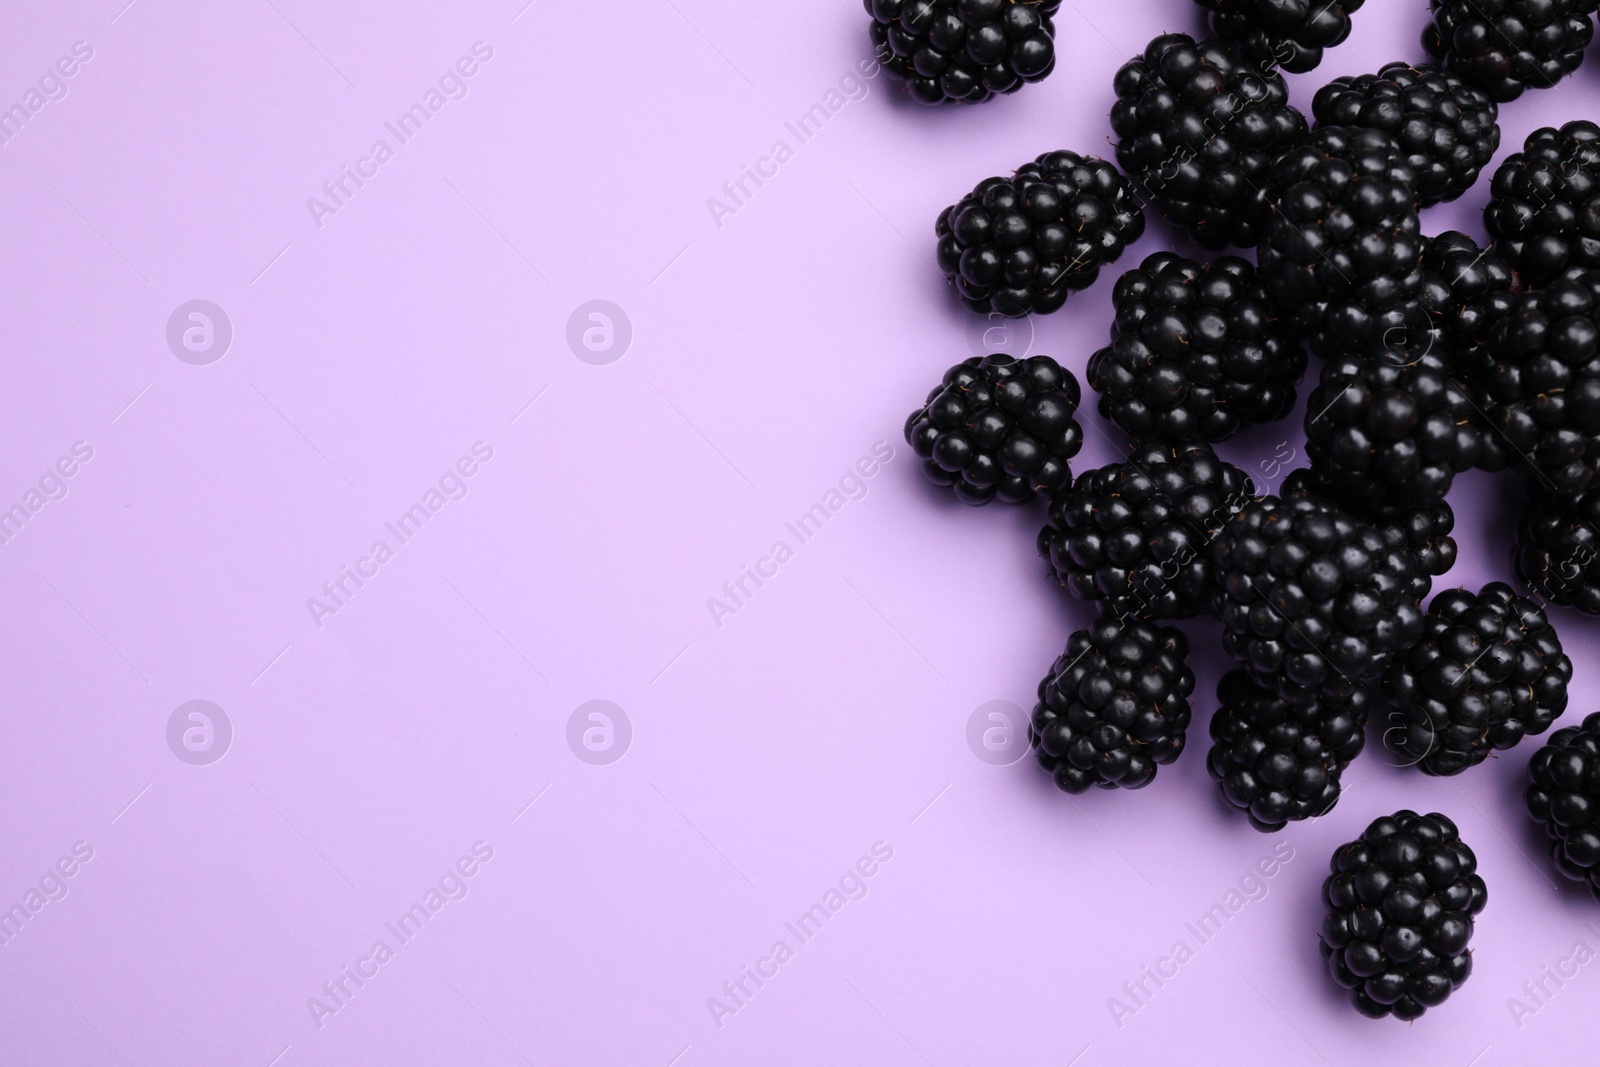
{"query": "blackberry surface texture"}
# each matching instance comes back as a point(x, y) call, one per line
point(1023, 244)
point(1465, 290)
point(1287, 33)
point(1401, 902)
point(1487, 672)
point(964, 51)
point(1564, 794)
point(1424, 531)
point(1506, 46)
point(1544, 206)
point(1133, 537)
point(999, 427)
point(1280, 762)
point(1198, 133)
point(1196, 352)
point(1115, 706)
point(1557, 548)
point(1447, 130)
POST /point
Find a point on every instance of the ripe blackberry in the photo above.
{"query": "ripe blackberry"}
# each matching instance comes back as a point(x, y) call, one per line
point(1401, 901)
point(1287, 33)
point(1424, 531)
point(1114, 706)
point(1196, 352)
point(965, 51)
point(1022, 244)
point(1133, 537)
point(1447, 130)
point(1310, 597)
point(1557, 548)
point(1488, 671)
point(996, 426)
point(1199, 133)
point(1544, 206)
point(1564, 794)
point(1280, 762)
point(1506, 46)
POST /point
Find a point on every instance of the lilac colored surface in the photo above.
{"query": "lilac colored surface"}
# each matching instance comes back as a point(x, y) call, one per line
point(768, 754)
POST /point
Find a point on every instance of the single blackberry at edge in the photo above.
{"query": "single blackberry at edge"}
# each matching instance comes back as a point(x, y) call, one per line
point(1133, 537)
point(1424, 532)
point(1197, 351)
point(1506, 46)
point(1564, 794)
point(1280, 762)
point(1401, 901)
point(1544, 203)
point(1487, 672)
point(1025, 243)
point(1115, 705)
point(1291, 34)
point(964, 51)
point(996, 426)
point(1556, 553)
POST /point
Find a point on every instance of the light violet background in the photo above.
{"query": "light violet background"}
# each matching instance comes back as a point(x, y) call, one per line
point(768, 755)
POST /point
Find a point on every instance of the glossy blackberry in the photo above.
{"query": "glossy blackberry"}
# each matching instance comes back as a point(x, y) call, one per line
point(1198, 133)
point(1287, 33)
point(1196, 352)
point(1544, 206)
point(1564, 794)
point(1023, 244)
point(1447, 130)
point(1556, 553)
point(1488, 671)
point(1001, 427)
point(1506, 46)
point(1115, 705)
point(1401, 903)
point(1312, 598)
point(1133, 537)
point(964, 51)
point(1424, 531)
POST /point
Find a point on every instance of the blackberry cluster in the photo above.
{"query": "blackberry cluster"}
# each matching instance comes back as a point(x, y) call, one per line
point(1132, 537)
point(1487, 672)
point(1023, 244)
point(1280, 762)
point(1196, 352)
point(1557, 549)
point(1199, 133)
point(1544, 206)
point(1506, 46)
point(1564, 794)
point(1312, 600)
point(1001, 427)
point(1401, 901)
point(1115, 705)
point(1447, 130)
point(1424, 532)
point(1287, 33)
point(966, 51)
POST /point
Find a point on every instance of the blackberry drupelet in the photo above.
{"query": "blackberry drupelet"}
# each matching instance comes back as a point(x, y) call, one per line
point(1287, 33)
point(1447, 130)
point(1557, 548)
point(1544, 206)
point(966, 51)
point(1487, 672)
point(1424, 531)
point(1115, 705)
point(1198, 132)
point(1311, 598)
point(1564, 794)
point(1001, 427)
point(1280, 762)
point(1196, 352)
point(1506, 46)
point(1133, 537)
point(1022, 244)
point(1401, 902)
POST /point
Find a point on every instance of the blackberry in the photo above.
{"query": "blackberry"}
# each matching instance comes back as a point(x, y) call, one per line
point(1447, 130)
point(1488, 671)
point(1199, 134)
point(1132, 537)
point(1424, 531)
point(1506, 46)
point(966, 51)
point(996, 426)
point(1287, 33)
point(1023, 244)
point(1401, 902)
point(1564, 794)
point(1557, 548)
point(1280, 762)
point(1544, 205)
point(1115, 705)
point(1311, 598)
point(1196, 352)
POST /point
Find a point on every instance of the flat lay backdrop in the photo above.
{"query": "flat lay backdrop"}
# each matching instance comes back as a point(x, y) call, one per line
point(409, 732)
